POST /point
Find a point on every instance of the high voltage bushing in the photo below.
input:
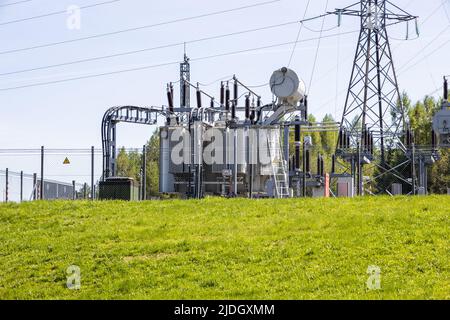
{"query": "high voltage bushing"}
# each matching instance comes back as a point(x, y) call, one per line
point(371, 144)
point(170, 98)
point(227, 98)
point(258, 105)
point(305, 103)
point(199, 98)
point(307, 161)
point(344, 140)
point(347, 140)
point(297, 143)
point(409, 137)
point(233, 110)
point(320, 165)
point(253, 113)
point(445, 89)
point(185, 93)
point(222, 94)
point(235, 91)
point(247, 107)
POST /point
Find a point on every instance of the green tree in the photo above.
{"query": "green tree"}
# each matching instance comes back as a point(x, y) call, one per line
point(152, 167)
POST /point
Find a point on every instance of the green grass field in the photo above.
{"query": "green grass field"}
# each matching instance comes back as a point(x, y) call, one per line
point(227, 249)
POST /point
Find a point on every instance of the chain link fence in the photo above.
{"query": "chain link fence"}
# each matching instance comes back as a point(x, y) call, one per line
point(49, 174)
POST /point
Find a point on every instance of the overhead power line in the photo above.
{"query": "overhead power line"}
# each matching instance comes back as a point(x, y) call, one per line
point(46, 45)
point(159, 47)
point(56, 13)
point(298, 35)
point(14, 3)
point(176, 44)
point(164, 64)
point(317, 50)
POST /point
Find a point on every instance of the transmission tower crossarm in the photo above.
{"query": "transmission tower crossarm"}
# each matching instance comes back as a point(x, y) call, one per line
point(387, 14)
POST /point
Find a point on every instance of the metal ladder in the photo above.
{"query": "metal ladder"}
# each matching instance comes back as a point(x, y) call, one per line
point(279, 166)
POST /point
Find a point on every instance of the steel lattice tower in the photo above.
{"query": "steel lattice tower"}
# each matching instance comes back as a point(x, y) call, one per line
point(373, 102)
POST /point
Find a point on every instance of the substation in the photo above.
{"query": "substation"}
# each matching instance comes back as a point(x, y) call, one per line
point(249, 141)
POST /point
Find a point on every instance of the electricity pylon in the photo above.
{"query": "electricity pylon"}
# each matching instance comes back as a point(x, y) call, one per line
point(373, 113)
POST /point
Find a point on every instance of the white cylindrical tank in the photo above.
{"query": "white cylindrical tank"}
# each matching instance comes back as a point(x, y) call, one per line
point(285, 84)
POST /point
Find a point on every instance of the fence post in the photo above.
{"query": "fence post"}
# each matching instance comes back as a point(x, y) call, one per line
point(144, 173)
point(34, 186)
point(74, 191)
point(6, 182)
point(92, 174)
point(85, 191)
point(42, 173)
point(21, 186)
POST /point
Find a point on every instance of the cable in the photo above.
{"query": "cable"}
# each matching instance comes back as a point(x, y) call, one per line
point(319, 31)
point(57, 13)
point(259, 86)
point(298, 34)
point(445, 11)
point(422, 24)
point(425, 57)
point(147, 49)
point(162, 64)
point(317, 50)
point(137, 28)
point(428, 44)
point(14, 3)
point(337, 76)
point(225, 78)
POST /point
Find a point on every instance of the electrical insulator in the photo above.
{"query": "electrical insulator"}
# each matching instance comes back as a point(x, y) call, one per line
point(371, 144)
point(297, 157)
point(227, 98)
point(322, 166)
point(319, 165)
point(199, 98)
point(297, 130)
point(306, 107)
point(222, 94)
point(258, 106)
point(169, 99)
point(417, 28)
point(252, 114)
point(233, 110)
point(235, 89)
point(407, 30)
point(347, 142)
point(307, 160)
point(445, 89)
point(247, 107)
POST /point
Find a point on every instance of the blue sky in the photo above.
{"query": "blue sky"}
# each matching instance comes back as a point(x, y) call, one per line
point(68, 115)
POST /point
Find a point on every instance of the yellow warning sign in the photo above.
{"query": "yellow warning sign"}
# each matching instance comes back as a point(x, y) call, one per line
point(66, 161)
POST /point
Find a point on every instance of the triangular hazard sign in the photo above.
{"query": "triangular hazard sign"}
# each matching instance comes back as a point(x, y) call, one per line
point(66, 161)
